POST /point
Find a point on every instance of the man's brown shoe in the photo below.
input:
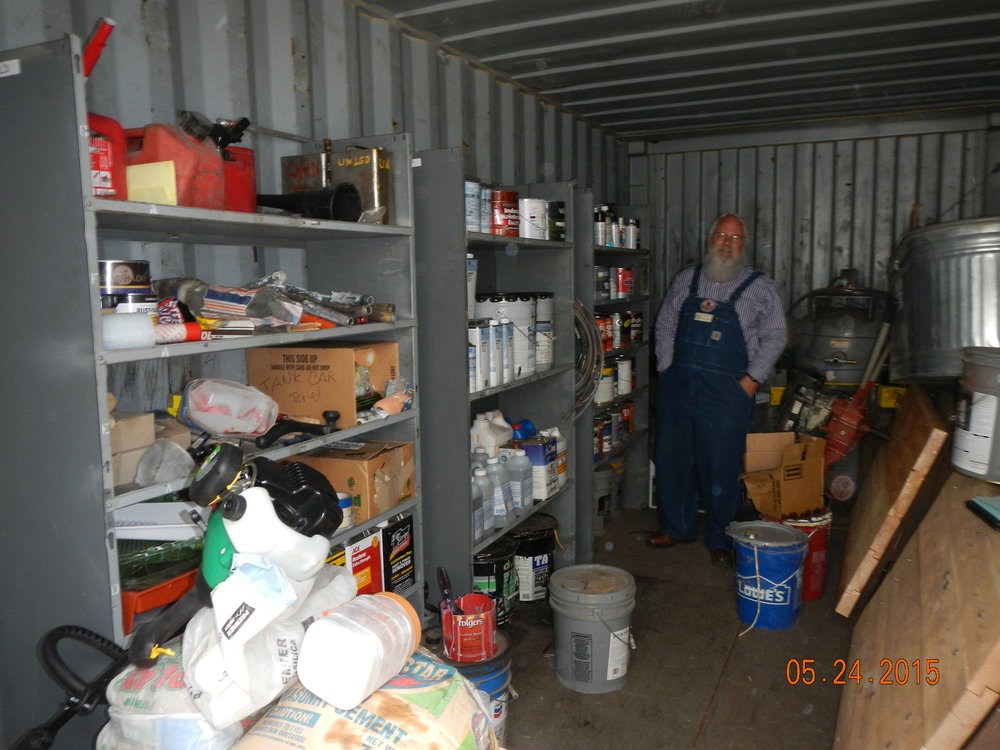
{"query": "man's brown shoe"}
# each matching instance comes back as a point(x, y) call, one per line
point(665, 541)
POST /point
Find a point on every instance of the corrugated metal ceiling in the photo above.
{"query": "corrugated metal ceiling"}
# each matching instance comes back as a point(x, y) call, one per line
point(644, 70)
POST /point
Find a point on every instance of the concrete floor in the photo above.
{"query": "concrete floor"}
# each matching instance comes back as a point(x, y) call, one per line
point(693, 682)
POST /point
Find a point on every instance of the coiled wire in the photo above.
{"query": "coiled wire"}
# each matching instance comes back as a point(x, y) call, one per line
point(589, 359)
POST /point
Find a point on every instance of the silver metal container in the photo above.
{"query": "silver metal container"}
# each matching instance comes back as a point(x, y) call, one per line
point(946, 280)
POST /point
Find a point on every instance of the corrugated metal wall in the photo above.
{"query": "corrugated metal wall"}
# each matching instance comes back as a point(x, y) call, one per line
point(321, 69)
point(816, 206)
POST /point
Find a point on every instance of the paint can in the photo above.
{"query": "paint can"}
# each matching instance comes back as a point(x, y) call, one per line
point(976, 447)
point(817, 530)
point(607, 445)
point(544, 333)
point(591, 617)
point(533, 560)
point(533, 219)
point(598, 439)
point(473, 191)
point(503, 212)
point(493, 574)
point(130, 303)
point(492, 676)
point(635, 324)
point(625, 283)
point(769, 569)
point(628, 417)
point(556, 211)
point(602, 283)
point(616, 426)
point(605, 331)
point(605, 392)
point(124, 277)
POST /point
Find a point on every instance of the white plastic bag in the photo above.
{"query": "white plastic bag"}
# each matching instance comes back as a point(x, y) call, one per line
point(225, 407)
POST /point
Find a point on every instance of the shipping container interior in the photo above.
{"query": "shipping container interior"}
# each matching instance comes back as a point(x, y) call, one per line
point(833, 128)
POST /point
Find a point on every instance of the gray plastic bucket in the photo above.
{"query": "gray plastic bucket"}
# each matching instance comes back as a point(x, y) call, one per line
point(976, 441)
point(592, 607)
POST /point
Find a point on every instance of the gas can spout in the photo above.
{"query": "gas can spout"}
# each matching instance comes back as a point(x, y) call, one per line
point(95, 44)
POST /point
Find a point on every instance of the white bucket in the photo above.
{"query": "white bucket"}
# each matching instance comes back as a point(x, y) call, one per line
point(533, 218)
point(591, 611)
point(976, 446)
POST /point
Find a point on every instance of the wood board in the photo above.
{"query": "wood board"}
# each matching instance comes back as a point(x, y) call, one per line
point(941, 600)
point(916, 442)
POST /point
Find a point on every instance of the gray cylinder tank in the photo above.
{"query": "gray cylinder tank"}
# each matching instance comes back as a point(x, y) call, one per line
point(946, 281)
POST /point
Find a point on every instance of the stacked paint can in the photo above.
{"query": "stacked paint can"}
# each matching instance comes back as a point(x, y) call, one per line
point(534, 557)
point(621, 282)
point(504, 217)
point(493, 677)
point(493, 574)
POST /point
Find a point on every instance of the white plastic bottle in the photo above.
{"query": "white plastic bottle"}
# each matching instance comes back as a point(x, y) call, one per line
point(521, 483)
point(478, 529)
point(486, 490)
point(561, 451)
point(503, 503)
point(479, 457)
point(483, 435)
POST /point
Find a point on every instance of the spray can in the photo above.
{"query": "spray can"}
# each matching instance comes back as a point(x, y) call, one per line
point(495, 376)
point(632, 234)
point(507, 349)
point(485, 209)
point(544, 335)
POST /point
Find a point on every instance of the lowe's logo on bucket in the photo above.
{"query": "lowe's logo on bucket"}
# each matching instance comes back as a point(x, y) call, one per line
point(777, 594)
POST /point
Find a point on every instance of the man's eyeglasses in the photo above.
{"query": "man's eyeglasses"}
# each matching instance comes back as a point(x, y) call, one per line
point(723, 236)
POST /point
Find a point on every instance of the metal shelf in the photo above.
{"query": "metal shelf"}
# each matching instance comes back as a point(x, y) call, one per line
point(554, 372)
point(495, 534)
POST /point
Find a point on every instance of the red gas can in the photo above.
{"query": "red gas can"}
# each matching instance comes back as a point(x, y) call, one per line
point(197, 164)
point(107, 157)
point(241, 187)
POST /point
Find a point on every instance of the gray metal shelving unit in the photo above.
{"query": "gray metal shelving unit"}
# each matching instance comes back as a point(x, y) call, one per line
point(505, 264)
point(59, 544)
point(634, 449)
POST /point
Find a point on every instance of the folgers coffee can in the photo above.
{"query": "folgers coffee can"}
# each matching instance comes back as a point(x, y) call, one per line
point(503, 204)
point(124, 277)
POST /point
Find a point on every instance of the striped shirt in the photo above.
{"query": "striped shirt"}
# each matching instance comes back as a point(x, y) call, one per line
point(759, 309)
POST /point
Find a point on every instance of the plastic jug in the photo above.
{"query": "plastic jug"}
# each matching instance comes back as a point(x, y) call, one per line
point(349, 654)
point(521, 485)
point(503, 502)
point(486, 490)
point(476, 496)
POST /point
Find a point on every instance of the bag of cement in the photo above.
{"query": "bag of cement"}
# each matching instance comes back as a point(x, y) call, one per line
point(230, 682)
point(428, 704)
point(151, 709)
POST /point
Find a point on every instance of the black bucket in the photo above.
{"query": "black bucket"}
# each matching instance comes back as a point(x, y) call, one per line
point(493, 574)
point(534, 559)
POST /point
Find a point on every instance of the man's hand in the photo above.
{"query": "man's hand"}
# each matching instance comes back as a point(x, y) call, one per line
point(749, 385)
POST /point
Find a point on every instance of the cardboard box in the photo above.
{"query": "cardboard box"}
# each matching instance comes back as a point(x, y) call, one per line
point(377, 474)
point(131, 430)
point(306, 381)
point(124, 465)
point(786, 480)
point(399, 572)
point(542, 454)
point(172, 430)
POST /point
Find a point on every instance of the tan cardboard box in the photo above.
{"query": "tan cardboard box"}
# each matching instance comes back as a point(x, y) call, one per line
point(131, 430)
point(787, 483)
point(377, 474)
point(172, 430)
point(306, 381)
point(124, 465)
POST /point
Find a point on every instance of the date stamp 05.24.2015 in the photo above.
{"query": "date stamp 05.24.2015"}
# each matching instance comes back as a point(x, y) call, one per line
point(843, 672)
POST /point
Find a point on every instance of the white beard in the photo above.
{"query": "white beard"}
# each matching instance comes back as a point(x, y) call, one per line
point(721, 268)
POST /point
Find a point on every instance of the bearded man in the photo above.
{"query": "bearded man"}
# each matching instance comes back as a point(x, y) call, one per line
point(718, 334)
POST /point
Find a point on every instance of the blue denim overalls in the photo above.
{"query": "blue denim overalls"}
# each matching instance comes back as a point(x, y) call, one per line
point(702, 418)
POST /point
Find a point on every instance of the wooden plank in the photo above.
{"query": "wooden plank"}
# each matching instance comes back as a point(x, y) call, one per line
point(917, 437)
point(941, 600)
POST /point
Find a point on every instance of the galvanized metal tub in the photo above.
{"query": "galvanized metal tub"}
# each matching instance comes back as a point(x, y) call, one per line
point(946, 280)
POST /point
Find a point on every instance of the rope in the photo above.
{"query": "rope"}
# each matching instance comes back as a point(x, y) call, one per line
point(760, 589)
